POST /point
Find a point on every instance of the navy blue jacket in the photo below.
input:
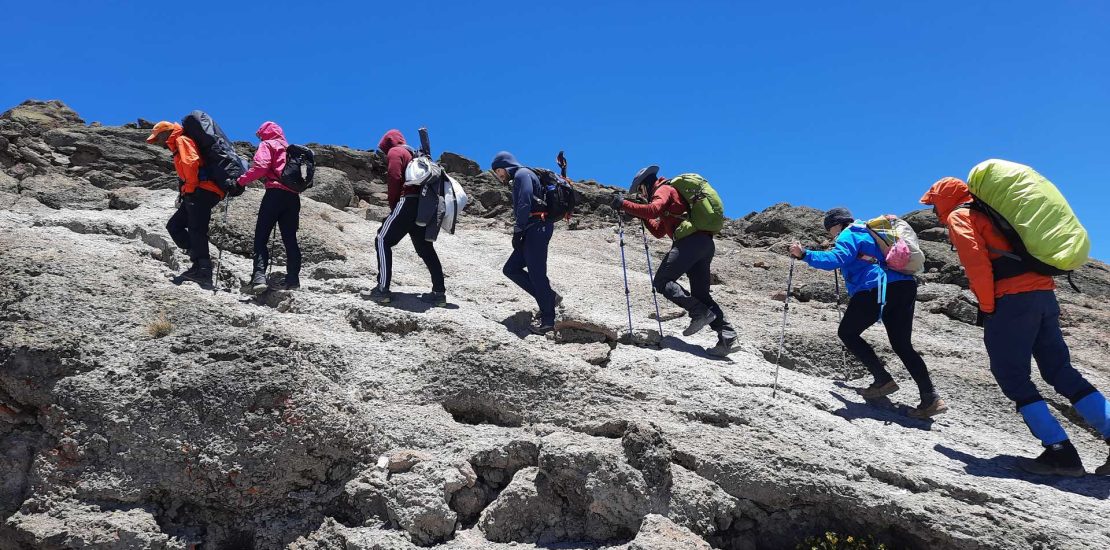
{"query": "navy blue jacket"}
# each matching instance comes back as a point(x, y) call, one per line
point(526, 187)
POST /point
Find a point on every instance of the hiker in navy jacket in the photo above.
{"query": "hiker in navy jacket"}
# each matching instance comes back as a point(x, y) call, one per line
point(527, 265)
point(875, 292)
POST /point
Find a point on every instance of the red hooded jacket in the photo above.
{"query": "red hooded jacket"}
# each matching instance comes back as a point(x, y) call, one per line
point(397, 158)
point(663, 214)
point(974, 236)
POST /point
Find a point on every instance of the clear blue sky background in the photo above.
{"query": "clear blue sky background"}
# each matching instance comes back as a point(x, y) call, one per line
point(862, 104)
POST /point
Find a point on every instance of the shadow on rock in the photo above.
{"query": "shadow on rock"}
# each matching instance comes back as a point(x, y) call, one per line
point(1006, 467)
point(677, 344)
point(882, 410)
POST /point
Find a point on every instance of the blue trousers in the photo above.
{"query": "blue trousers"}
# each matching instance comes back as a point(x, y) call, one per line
point(1025, 327)
point(527, 267)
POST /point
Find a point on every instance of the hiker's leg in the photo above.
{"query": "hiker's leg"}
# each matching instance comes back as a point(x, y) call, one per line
point(862, 312)
point(268, 211)
point(514, 271)
point(288, 223)
point(1009, 335)
point(395, 226)
point(901, 298)
point(535, 258)
point(1054, 362)
point(200, 214)
point(681, 257)
point(178, 227)
point(427, 252)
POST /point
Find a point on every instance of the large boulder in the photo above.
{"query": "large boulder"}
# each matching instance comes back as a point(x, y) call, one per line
point(331, 186)
point(782, 221)
point(458, 164)
point(57, 191)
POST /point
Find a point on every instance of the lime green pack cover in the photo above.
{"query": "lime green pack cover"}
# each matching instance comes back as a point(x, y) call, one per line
point(706, 211)
point(1035, 208)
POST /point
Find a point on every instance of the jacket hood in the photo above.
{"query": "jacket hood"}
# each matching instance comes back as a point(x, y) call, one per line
point(270, 130)
point(390, 140)
point(946, 194)
point(504, 159)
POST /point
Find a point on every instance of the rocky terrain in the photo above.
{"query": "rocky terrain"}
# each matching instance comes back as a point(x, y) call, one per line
point(136, 413)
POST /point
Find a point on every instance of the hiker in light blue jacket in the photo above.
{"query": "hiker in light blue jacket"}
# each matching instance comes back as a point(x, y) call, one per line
point(875, 293)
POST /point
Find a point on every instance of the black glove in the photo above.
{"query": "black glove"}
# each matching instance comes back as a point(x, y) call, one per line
point(233, 189)
point(617, 202)
point(981, 318)
point(518, 240)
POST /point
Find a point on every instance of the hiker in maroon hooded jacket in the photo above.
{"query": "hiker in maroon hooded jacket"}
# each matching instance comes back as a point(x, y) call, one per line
point(401, 221)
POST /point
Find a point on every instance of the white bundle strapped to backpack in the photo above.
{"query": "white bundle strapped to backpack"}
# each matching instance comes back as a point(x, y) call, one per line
point(424, 173)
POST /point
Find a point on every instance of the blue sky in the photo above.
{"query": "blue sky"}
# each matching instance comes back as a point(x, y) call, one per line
point(861, 104)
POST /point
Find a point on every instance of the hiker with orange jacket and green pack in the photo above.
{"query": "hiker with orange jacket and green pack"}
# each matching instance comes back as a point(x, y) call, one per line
point(692, 229)
point(1017, 304)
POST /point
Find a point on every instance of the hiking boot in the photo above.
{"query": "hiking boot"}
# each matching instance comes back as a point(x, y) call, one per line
point(928, 408)
point(291, 282)
point(437, 299)
point(699, 322)
point(877, 390)
point(541, 328)
point(1058, 459)
point(200, 273)
point(558, 299)
point(258, 283)
point(723, 347)
point(1104, 470)
point(380, 296)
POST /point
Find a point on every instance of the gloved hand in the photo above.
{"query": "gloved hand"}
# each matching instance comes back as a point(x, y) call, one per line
point(518, 240)
point(617, 202)
point(981, 318)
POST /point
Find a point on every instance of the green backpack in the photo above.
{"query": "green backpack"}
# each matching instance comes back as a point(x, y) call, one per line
point(1032, 212)
point(705, 212)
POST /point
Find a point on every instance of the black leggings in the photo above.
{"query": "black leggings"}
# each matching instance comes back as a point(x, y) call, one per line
point(863, 311)
point(281, 208)
point(189, 225)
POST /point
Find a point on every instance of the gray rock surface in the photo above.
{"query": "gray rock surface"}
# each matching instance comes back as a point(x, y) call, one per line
point(261, 422)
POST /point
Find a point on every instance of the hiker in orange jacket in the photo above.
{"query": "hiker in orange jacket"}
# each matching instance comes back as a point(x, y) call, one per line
point(197, 196)
point(1021, 322)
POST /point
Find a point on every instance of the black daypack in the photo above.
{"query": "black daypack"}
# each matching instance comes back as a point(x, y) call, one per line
point(300, 167)
point(222, 165)
point(559, 198)
point(1019, 260)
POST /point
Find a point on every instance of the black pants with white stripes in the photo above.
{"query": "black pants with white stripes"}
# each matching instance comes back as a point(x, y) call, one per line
point(400, 222)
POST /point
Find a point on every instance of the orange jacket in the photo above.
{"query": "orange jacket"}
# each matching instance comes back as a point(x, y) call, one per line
point(187, 161)
point(974, 236)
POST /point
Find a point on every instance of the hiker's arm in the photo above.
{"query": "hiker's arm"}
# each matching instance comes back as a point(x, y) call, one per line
point(187, 161)
point(651, 210)
point(655, 227)
point(843, 251)
point(974, 256)
point(263, 157)
point(394, 174)
point(522, 200)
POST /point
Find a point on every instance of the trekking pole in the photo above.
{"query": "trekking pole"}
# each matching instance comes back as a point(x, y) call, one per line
point(220, 256)
point(839, 319)
point(782, 337)
point(270, 255)
point(651, 277)
point(624, 268)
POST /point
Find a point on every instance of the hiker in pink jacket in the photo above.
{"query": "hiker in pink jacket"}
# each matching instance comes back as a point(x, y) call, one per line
point(280, 206)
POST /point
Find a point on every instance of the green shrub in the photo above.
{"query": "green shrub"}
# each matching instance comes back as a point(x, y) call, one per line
point(834, 541)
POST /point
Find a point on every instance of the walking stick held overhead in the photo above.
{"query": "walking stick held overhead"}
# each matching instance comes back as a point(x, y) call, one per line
point(425, 144)
point(782, 337)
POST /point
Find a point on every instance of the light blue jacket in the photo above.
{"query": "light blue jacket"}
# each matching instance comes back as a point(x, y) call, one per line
point(859, 259)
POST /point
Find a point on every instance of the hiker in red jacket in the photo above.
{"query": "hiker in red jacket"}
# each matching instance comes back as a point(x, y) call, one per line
point(691, 255)
point(401, 221)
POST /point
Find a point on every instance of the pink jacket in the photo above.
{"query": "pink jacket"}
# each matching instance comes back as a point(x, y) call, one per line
point(269, 159)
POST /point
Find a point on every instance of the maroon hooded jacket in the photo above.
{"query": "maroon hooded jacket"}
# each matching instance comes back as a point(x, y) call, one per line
point(663, 214)
point(397, 158)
